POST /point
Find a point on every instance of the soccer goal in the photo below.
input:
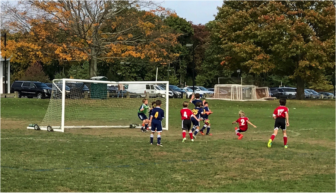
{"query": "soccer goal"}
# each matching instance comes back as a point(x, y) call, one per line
point(76, 103)
point(240, 92)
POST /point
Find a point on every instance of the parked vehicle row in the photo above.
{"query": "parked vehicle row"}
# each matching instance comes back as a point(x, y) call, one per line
point(290, 93)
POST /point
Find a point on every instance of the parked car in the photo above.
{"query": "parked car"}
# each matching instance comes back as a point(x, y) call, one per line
point(31, 89)
point(211, 89)
point(289, 92)
point(200, 90)
point(77, 90)
point(189, 92)
point(56, 91)
point(50, 85)
point(178, 93)
point(315, 94)
point(276, 92)
point(327, 95)
point(152, 89)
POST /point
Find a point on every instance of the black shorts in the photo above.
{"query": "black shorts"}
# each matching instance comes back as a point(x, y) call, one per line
point(186, 124)
point(280, 123)
point(240, 131)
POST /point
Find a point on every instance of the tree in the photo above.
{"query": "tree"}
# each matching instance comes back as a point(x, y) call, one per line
point(90, 30)
point(286, 38)
point(35, 73)
point(79, 71)
point(184, 28)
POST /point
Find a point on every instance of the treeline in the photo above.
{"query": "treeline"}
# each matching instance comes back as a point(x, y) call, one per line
point(262, 43)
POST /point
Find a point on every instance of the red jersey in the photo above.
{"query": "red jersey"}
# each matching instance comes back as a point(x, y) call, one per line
point(186, 113)
point(280, 112)
point(242, 123)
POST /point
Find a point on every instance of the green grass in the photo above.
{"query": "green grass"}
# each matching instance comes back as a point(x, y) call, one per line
point(103, 160)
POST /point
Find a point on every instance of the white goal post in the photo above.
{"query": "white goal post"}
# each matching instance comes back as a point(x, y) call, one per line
point(76, 103)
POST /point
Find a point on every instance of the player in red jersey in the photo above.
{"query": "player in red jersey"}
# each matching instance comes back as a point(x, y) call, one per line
point(242, 121)
point(281, 117)
point(186, 114)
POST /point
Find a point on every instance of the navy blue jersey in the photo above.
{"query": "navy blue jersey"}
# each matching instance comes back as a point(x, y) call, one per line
point(157, 114)
point(205, 116)
point(197, 100)
point(198, 111)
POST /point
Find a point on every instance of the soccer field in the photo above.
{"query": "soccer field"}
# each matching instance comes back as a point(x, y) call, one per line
point(107, 160)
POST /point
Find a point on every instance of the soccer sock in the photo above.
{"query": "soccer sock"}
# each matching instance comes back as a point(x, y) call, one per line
point(208, 130)
point(196, 132)
point(203, 128)
point(272, 137)
point(285, 140)
point(184, 134)
point(193, 129)
point(151, 138)
point(159, 139)
point(190, 134)
point(238, 134)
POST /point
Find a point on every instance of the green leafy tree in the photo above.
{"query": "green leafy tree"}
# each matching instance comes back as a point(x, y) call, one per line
point(80, 71)
point(285, 38)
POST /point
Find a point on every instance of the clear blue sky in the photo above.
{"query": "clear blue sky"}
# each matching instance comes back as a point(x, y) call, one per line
point(197, 11)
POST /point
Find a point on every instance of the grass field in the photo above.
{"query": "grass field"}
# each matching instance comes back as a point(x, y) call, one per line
point(103, 160)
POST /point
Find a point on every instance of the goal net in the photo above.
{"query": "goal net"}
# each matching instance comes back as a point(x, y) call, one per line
point(78, 103)
point(240, 92)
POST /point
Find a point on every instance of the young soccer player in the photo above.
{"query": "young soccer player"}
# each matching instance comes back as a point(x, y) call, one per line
point(197, 99)
point(281, 117)
point(156, 122)
point(152, 107)
point(206, 120)
point(198, 112)
point(242, 121)
point(186, 114)
point(142, 114)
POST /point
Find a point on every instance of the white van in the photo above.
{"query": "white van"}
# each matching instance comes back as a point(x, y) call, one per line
point(142, 89)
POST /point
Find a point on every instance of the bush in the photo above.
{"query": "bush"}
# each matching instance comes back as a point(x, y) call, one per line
point(35, 73)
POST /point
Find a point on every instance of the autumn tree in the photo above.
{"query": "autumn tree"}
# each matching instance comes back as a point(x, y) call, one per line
point(285, 38)
point(35, 73)
point(91, 30)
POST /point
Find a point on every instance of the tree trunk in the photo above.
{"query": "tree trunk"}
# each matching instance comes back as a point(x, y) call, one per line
point(300, 89)
point(93, 63)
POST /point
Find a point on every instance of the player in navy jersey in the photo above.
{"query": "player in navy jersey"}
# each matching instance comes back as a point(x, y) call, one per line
point(150, 110)
point(197, 99)
point(156, 122)
point(198, 112)
point(206, 119)
point(142, 114)
point(280, 114)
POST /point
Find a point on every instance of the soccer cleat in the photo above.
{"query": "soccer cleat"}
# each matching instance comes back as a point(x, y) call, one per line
point(202, 132)
point(286, 146)
point(194, 136)
point(240, 137)
point(236, 128)
point(159, 145)
point(269, 144)
point(151, 143)
point(192, 139)
point(183, 140)
point(209, 134)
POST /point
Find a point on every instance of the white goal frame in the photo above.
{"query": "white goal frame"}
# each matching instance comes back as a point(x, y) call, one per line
point(62, 126)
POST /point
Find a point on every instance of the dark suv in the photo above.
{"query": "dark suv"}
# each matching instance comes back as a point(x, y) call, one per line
point(31, 89)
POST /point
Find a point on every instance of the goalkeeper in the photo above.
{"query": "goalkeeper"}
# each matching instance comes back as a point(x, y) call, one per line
point(142, 114)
